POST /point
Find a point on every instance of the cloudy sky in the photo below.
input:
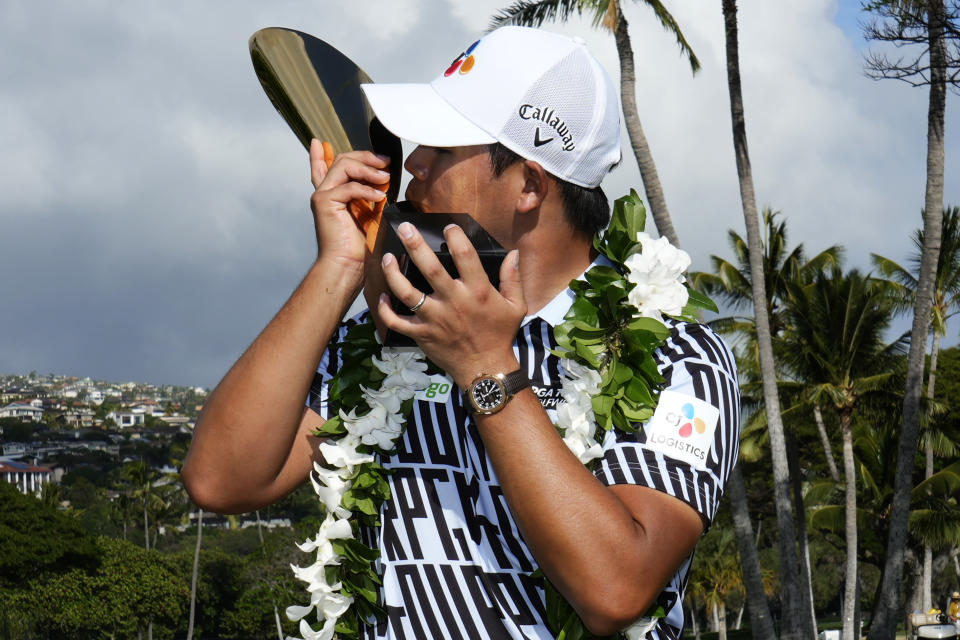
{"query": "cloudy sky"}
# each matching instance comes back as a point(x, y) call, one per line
point(154, 207)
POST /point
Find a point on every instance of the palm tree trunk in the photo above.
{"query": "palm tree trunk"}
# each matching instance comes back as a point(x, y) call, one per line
point(146, 526)
point(795, 621)
point(885, 614)
point(723, 621)
point(825, 441)
point(193, 577)
point(760, 619)
point(276, 612)
point(927, 551)
point(806, 581)
point(693, 620)
point(850, 575)
point(648, 169)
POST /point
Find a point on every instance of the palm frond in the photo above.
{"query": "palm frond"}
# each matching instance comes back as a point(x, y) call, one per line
point(533, 13)
point(668, 23)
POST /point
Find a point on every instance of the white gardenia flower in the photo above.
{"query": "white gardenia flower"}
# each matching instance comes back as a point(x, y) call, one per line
point(389, 399)
point(573, 417)
point(295, 612)
point(343, 452)
point(657, 271)
point(580, 379)
point(404, 368)
point(639, 629)
point(378, 427)
point(330, 485)
point(326, 633)
point(585, 449)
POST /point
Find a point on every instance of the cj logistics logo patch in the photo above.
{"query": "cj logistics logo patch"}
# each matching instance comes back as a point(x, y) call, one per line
point(683, 427)
point(464, 62)
point(690, 421)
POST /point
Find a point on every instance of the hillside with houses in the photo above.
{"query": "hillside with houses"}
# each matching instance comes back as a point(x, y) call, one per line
point(90, 494)
point(50, 424)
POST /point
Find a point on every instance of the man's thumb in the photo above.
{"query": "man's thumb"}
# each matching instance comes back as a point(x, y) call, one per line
point(510, 286)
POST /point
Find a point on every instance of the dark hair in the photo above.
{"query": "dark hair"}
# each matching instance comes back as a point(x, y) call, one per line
point(586, 209)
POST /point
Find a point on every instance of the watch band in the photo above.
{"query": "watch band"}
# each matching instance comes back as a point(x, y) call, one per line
point(515, 381)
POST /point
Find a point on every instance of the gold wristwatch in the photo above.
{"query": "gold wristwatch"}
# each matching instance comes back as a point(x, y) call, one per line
point(490, 392)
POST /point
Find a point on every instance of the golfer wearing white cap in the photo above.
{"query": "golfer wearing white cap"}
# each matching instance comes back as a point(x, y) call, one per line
point(518, 131)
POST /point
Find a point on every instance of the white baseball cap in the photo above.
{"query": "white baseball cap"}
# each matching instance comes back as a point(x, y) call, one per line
point(540, 94)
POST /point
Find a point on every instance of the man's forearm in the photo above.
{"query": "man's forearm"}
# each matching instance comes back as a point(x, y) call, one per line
point(603, 553)
point(246, 442)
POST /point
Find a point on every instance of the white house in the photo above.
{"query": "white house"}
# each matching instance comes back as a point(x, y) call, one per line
point(126, 419)
point(22, 410)
point(28, 478)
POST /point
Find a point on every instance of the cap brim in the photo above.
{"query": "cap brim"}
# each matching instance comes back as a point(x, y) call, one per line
point(417, 113)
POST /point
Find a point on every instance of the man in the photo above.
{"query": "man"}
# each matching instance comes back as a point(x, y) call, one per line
point(953, 609)
point(518, 131)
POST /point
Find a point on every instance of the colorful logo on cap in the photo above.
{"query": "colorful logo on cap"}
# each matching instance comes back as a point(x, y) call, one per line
point(464, 62)
point(692, 422)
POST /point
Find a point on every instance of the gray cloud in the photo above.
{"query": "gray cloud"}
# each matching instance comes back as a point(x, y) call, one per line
point(154, 207)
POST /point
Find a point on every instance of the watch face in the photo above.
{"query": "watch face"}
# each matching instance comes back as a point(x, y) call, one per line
point(487, 394)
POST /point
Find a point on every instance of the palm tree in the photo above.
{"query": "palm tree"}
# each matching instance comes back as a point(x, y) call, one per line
point(144, 482)
point(194, 575)
point(716, 575)
point(834, 344)
point(178, 453)
point(533, 13)
point(946, 303)
point(909, 19)
point(796, 621)
point(731, 282)
point(935, 512)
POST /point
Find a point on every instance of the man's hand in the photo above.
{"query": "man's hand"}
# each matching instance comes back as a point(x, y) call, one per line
point(465, 326)
point(348, 178)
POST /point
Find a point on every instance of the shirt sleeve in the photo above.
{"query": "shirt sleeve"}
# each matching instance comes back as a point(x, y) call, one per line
point(689, 446)
point(330, 362)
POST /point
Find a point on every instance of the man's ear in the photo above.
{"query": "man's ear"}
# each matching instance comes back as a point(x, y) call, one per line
point(536, 185)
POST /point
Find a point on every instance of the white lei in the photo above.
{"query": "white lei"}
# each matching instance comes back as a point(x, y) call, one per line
point(655, 270)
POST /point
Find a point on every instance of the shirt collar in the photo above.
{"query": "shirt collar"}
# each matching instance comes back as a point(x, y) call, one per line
point(553, 312)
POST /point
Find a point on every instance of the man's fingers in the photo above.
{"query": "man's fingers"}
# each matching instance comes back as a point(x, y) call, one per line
point(358, 171)
point(346, 192)
point(318, 166)
point(364, 166)
point(426, 261)
point(511, 287)
point(465, 256)
point(398, 283)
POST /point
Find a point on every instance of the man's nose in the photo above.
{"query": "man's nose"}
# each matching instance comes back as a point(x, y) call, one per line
point(416, 163)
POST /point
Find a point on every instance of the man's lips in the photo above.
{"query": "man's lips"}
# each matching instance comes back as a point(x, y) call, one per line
point(410, 195)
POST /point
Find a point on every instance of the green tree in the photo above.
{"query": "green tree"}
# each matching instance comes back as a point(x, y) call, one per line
point(932, 26)
point(946, 303)
point(731, 282)
point(131, 587)
point(834, 344)
point(36, 538)
point(15, 430)
point(141, 483)
point(608, 13)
